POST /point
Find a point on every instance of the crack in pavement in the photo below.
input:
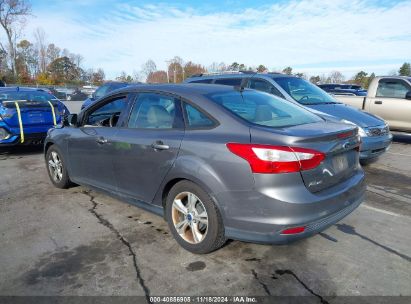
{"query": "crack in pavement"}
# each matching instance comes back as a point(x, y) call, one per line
point(261, 282)
point(110, 226)
point(351, 230)
point(287, 271)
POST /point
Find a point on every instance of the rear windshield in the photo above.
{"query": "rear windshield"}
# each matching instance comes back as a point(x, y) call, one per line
point(38, 97)
point(304, 92)
point(264, 109)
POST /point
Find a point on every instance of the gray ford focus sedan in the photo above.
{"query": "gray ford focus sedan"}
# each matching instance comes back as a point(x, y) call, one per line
point(217, 162)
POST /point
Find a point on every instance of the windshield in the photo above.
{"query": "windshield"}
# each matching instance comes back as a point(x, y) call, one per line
point(34, 95)
point(264, 109)
point(304, 92)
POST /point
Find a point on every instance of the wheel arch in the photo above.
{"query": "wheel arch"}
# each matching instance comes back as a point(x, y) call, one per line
point(161, 197)
point(47, 146)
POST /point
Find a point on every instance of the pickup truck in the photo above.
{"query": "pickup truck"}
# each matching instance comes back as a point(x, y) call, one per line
point(388, 97)
point(343, 89)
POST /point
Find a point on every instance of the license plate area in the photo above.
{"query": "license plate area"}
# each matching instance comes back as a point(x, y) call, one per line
point(340, 163)
point(36, 117)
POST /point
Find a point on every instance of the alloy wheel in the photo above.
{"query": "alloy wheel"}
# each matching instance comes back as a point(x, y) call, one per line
point(189, 217)
point(55, 166)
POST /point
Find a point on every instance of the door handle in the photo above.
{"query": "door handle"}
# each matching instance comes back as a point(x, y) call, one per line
point(159, 145)
point(378, 102)
point(101, 140)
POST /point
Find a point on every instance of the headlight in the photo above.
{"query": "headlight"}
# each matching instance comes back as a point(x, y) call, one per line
point(361, 131)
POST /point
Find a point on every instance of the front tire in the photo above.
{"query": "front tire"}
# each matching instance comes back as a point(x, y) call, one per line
point(56, 168)
point(194, 219)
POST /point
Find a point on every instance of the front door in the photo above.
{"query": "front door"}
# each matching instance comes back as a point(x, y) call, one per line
point(148, 145)
point(91, 147)
point(390, 103)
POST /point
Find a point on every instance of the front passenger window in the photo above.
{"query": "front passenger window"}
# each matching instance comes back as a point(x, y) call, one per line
point(392, 88)
point(108, 114)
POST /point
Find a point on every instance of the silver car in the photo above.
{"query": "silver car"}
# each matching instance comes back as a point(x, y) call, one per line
point(217, 162)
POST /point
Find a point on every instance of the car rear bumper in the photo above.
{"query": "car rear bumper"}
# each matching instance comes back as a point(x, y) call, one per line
point(29, 139)
point(256, 217)
point(372, 147)
point(35, 135)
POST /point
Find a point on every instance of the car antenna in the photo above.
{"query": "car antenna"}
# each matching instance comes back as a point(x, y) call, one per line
point(244, 81)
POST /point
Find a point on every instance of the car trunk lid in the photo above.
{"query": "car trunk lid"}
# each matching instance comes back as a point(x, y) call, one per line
point(338, 142)
point(33, 113)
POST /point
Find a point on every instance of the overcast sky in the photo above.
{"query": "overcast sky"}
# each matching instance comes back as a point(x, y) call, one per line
point(314, 37)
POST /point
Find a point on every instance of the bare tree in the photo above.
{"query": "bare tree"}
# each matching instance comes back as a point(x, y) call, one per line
point(13, 15)
point(336, 77)
point(175, 69)
point(148, 68)
point(77, 59)
point(41, 45)
point(53, 52)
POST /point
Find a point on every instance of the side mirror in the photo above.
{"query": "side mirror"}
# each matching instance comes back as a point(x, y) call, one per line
point(70, 120)
point(408, 95)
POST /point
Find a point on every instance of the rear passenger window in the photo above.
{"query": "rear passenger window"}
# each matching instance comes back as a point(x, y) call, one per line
point(229, 81)
point(154, 111)
point(197, 119)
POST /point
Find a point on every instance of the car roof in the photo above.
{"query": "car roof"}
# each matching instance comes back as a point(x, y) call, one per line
point(394, 77)
point(186, 90)
point(180, 89)
point(238, 75)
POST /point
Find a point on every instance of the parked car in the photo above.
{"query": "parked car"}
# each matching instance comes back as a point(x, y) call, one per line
point(388, 97)
point(103, 90)
point(26, 114)
point(374, 132)
point(343, 89)
point(217, 162)
point(77, 95)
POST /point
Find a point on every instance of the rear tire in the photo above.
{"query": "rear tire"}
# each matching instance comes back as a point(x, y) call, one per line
point(56, 168)
point(193, 218)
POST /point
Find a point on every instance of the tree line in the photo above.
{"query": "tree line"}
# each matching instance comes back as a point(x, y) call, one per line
point(37, 62)
point(40, 62)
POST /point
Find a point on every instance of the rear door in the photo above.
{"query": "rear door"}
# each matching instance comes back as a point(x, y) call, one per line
point(390, 103)
point(148, 144)
point(92, 145)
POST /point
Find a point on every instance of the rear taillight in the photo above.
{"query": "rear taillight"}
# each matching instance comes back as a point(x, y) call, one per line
point(277, 159)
